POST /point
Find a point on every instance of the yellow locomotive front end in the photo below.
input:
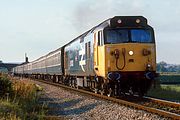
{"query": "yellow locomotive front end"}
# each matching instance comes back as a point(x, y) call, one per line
point(126, 56)
point(130, 57)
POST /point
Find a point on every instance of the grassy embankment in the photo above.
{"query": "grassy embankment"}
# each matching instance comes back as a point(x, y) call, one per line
point(19, 100)
point(169, 90)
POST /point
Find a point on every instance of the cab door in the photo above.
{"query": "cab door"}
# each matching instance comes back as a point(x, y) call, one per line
point(95, 51)
point(98, 53)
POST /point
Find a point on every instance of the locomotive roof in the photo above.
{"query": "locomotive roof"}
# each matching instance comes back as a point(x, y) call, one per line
point(111, 22)
point(127, 21)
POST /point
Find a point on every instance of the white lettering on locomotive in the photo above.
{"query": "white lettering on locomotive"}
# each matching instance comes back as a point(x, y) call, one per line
point(82, 54)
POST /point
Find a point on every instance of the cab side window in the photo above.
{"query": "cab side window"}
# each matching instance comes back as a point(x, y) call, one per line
point(100, 38)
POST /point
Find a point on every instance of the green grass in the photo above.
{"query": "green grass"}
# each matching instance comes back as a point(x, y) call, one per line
point(21, 103)
point(9, 110)
point(175, 88)
point(169, 92)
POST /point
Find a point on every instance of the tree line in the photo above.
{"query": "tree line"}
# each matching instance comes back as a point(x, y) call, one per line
point(165, 67)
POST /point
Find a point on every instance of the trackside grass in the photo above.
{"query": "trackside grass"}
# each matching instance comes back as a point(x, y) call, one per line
point(19, 101)
point(175, 88)
point(167, 87)
point(168, 92)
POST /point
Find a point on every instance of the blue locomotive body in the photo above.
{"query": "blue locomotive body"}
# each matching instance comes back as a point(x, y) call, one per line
point(78, 56)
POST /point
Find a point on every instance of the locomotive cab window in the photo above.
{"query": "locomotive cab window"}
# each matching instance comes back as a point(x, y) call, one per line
point(114, 36)
point(142, 36)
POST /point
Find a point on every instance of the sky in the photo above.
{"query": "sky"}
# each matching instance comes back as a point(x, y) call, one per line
point(37, 27)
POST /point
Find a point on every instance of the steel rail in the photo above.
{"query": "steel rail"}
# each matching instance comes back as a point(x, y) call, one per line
point(123, 102)
point(163, 102)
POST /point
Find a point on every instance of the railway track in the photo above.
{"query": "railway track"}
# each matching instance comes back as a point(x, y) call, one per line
point(152, 105)
point(163, 105)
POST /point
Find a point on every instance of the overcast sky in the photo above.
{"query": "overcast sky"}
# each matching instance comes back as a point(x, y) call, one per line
point(37, 27)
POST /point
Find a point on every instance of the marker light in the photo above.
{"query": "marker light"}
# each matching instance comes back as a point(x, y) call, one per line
point(131, 52)
point(138, 20)
point(119, 21)
point(148, 65)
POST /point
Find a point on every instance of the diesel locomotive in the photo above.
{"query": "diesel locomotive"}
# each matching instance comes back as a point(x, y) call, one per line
point(115, 57)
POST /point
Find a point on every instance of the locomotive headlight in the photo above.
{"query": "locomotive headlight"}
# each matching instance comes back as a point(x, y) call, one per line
point(119, 21)
point(131, 52)
point(148, 65)
point(138, 20)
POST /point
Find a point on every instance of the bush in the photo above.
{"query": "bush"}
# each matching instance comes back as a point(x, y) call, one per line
point(5, 85)
point(169, 78)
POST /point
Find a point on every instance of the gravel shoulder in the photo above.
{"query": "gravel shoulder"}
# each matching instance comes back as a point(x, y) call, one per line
point(71, 105)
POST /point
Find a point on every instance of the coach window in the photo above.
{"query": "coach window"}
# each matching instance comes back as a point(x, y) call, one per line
point(100, 38)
